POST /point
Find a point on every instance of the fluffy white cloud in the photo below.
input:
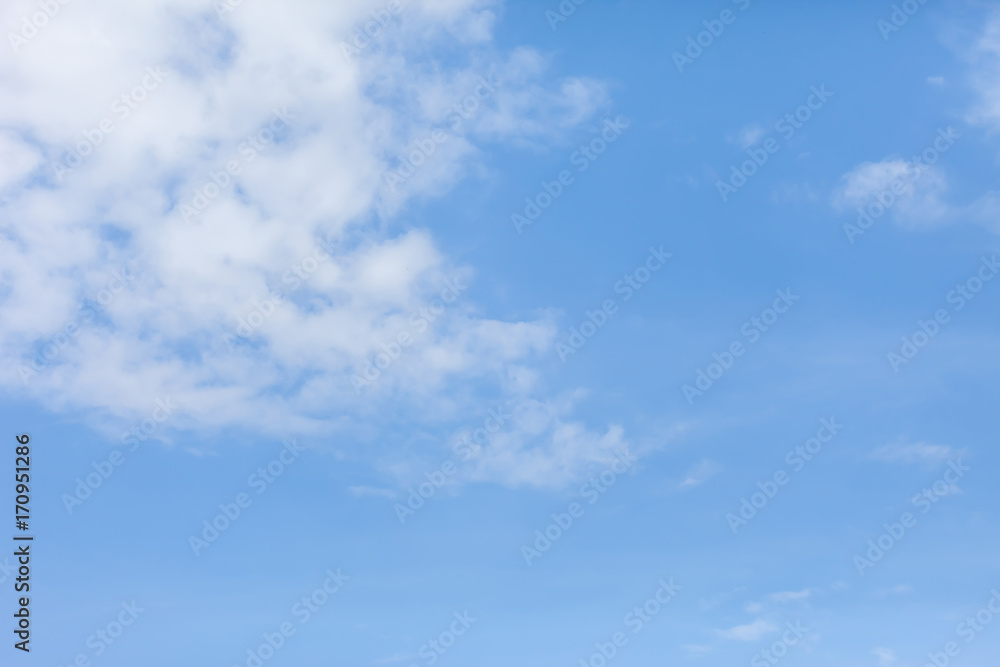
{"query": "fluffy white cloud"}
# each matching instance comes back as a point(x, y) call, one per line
point(195, 204)
point(912, 195)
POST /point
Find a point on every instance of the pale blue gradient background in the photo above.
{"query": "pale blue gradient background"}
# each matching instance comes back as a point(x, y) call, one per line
point(654, 186)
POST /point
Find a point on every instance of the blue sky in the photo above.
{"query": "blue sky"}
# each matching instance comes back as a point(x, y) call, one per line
point(259, 320)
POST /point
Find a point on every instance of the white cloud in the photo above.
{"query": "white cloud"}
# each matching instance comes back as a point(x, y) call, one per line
point(696, 649)
point(790, 596)
point(916, 200)
point(542, 447)
point(698, 475)
point(18, 159)
point(885, 656)
point(371, 492)
point(920, 452)
point(899, 589)
point(919, 200)
point(750, 632)
point(985, 75)
point(749, 135)
point(318, 178)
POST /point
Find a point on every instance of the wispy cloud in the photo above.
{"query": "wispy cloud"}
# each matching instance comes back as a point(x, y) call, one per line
point(698, 475)
point(790, 596)
point(920, 452)
point(885, 656)
point(371, 492)
point(917, 193)
point(899, 589)
point(749, 135)
point(696, 649)
point(750, 632)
